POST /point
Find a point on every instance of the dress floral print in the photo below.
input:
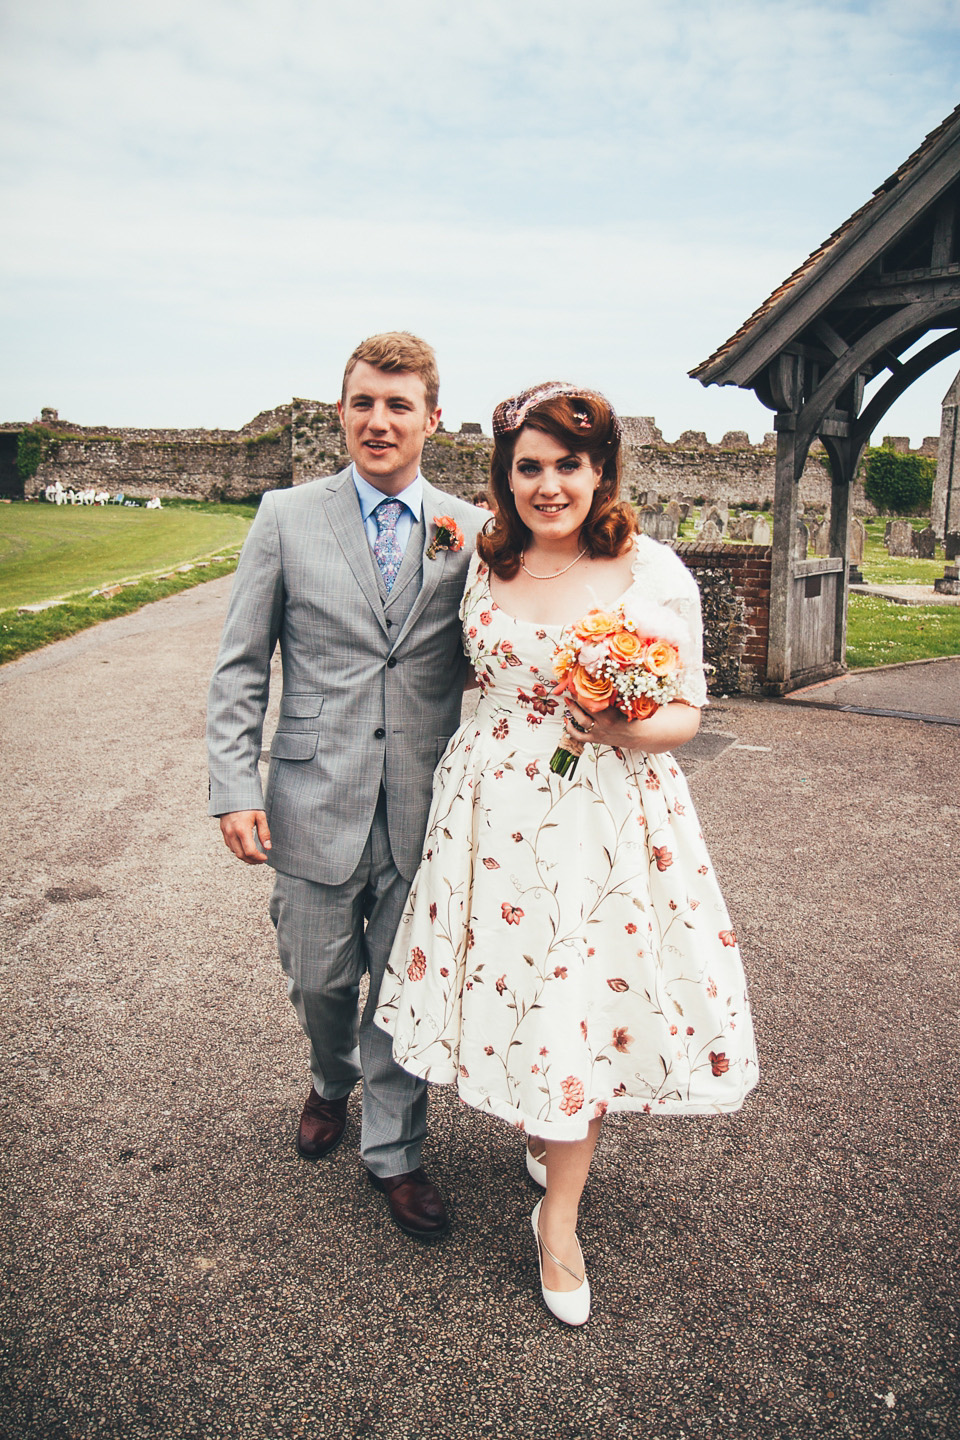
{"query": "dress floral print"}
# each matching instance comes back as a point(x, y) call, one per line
point(565, 949)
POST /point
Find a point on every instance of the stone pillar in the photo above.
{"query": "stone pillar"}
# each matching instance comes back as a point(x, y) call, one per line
point(945, 511)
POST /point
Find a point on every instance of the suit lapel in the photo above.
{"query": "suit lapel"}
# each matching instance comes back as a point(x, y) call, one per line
point(346, 522)
point(433, 501)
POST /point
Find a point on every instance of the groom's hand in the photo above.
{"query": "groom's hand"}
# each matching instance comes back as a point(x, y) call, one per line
point(241, 830)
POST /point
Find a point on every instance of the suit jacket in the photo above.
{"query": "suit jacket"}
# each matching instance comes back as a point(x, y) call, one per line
point(371, 685)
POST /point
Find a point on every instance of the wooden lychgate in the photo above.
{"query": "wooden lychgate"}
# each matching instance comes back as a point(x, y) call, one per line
point(871, 310)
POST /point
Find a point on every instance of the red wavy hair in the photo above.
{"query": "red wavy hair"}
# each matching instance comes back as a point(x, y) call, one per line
point(610, 522)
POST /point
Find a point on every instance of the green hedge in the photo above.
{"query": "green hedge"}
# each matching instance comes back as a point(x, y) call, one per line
point(899, 484)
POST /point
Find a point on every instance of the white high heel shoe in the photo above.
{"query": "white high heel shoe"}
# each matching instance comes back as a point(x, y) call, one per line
point(570, 1306)
point(536, 1169)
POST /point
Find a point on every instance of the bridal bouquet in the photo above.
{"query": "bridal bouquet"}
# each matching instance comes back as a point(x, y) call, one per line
point(628, 657)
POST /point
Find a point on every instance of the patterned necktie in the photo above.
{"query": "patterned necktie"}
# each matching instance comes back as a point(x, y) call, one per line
point(386, 547)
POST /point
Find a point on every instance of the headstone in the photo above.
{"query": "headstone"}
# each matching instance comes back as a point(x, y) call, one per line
point(950, 582)
point(803, 538)
point(900, 541)
point(951, 545)
point(886, 531)
point(710, 531)
point(762, 533)
point(926, 542)
point(675, 512)
point(857, 535)
point(945, 506)
point(666, 526)
point(650, 499)
point(647, 519)
point(820, 537)
point(715, 518)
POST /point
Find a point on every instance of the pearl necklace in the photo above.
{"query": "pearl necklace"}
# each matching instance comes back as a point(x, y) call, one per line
point(549, 577)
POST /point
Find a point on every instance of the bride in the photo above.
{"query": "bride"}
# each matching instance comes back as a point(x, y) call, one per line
point(565, 951)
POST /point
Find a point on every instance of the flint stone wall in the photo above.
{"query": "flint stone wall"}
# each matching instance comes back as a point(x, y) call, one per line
point(300, 440)
point(734, 584)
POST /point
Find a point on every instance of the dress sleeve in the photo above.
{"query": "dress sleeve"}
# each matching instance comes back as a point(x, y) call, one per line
point(682, 596)
point(693, 684)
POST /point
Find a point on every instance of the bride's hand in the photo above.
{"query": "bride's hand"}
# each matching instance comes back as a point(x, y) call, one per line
point(667, 728)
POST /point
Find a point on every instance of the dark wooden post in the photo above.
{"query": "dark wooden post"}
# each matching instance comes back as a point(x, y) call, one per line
point(783, 569)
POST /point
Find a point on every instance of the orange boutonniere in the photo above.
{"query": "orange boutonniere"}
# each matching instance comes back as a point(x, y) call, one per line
point(447, 536)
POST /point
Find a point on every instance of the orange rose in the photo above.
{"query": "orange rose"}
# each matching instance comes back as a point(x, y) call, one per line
point(593, 692)
point(563, 662)
point(641, 707)
point(625, 648)
point(660, 658)
point(595, 625)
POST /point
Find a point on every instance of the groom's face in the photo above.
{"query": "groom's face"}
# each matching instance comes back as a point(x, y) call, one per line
point(385, 420)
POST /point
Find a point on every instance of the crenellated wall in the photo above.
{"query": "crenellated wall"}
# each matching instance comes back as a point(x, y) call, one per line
point(301, 440)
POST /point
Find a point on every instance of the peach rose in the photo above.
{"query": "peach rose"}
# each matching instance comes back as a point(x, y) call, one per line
point(642, 707)
point(563, 662)
point(660, 658)
point(625, 648)
point(596, 624)
point(593, 692)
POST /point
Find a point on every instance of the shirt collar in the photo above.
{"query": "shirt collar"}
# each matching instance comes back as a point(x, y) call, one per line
point(371, 497)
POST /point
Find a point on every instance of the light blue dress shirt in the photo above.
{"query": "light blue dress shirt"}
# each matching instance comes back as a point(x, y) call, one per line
point(370, 497)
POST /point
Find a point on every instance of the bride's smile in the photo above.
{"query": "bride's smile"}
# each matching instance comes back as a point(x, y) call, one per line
point(553, 488)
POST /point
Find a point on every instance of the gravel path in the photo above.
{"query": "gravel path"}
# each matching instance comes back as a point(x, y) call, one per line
point(172, 1269)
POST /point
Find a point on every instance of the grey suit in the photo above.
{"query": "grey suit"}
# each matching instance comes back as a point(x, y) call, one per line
point(371, 693)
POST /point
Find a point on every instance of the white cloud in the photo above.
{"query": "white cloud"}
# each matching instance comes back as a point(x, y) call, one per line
point(210, 204)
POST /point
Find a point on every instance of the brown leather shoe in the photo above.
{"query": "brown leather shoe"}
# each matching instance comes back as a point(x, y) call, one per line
point(415, 1204)
point(322, 1124)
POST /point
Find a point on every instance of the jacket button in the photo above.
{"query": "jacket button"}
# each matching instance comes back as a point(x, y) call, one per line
point(389, 622)
point(390, 663)
point(379, 733)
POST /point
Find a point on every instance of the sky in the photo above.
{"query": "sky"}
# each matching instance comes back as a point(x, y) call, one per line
point(208, 203)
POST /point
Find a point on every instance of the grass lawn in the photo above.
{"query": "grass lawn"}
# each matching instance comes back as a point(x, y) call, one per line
point(51, 550)
point(881, 632)
point(879, 568)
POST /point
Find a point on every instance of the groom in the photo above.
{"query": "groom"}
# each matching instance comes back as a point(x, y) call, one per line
point(338, 573)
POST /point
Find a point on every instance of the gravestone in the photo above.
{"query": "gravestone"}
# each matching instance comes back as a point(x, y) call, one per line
point(715, 518)
point(951, 545)
point(675, 512)
point(820, 537)
point(857, 535)
point(649, 499)
point(647, 519)
point(666, 526)
point(762, 533)
point(803, 537)
point(710, 531)
point(949, 584)
point(945, 504)
point(900, 540)
point(926, 542)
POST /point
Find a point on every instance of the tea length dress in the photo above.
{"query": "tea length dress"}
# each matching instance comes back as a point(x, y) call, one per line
point(565, 949)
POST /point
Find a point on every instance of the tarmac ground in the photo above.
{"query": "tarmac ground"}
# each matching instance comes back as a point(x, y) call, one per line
point(172, 1269)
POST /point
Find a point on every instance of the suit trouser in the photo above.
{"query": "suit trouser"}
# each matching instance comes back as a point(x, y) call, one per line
point(325, 948)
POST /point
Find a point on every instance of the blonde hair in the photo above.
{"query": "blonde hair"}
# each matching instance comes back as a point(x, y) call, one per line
point(397, 350)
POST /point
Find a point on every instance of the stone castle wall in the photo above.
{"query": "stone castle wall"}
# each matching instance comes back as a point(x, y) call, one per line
point(302, 440)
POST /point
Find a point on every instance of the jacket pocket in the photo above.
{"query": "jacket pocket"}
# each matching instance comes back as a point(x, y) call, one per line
point(301, 707)
point(294, 745)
